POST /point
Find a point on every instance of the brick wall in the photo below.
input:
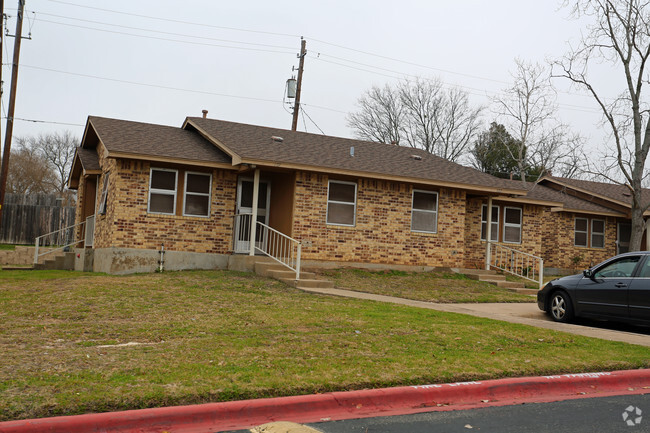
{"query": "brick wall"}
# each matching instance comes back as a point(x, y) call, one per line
point(532, 230)
point(382, 233)
point(127, 224)
point(560, 251)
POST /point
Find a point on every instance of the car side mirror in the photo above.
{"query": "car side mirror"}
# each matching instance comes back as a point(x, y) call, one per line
point(587, 273)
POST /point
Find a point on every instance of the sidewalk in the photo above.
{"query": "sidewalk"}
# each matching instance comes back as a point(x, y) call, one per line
point(523, 313)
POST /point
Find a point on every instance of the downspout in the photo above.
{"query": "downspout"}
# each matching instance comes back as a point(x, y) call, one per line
point(488, 234)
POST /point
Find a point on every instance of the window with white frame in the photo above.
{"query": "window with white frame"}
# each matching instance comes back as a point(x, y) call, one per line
point(597, 233)
point(494, 235)
point(162, 190)
point(512, 225)
point(341, 202)
point(580, 232)
point(196, 200)
point(424, 211)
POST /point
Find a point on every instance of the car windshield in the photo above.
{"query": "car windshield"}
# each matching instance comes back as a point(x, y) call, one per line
point(622, 267)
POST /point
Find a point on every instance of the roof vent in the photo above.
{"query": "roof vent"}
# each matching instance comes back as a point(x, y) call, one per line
point(277, 139)
point(205, 113)
point(416, 157)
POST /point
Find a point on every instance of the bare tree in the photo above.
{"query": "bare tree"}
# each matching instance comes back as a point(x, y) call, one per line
point(619, 35)
point(418, 113)
point(26, 174)
point(57, 150)
point(528, 108)
point(380, 116)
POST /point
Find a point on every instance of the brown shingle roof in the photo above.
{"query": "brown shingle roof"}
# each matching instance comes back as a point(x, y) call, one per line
point(612, 191)
point(570, 202)
point(323, 153)
point(89, 159)
point(148, 139)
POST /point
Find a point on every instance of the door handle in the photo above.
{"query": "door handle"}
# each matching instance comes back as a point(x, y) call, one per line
point(619, 285)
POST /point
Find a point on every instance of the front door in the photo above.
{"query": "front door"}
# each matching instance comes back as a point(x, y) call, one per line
point(245, 212)
point(623, 238)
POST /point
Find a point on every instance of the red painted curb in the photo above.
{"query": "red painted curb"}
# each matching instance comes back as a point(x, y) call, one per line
point(214, 417)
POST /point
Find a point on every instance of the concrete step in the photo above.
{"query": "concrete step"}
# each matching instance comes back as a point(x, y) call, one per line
point(509, 284)
point(47, 265)
point(314, 284)
point(264, 268)
point(468, 271)
point(281, 273)
point(17, 268)
point(486, 276)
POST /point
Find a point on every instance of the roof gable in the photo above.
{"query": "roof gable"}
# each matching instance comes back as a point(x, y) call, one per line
point(149, 141)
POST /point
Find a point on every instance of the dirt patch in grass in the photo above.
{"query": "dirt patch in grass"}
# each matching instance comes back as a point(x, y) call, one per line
point(444, 287)
point(217, 336)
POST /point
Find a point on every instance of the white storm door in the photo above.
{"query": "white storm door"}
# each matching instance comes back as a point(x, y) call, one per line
point(245, 212)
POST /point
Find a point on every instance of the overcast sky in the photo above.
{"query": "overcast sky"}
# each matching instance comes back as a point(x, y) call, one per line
point(160, 61)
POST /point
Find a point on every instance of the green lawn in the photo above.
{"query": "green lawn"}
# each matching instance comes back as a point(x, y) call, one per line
point(445, 287)
point(72, 343)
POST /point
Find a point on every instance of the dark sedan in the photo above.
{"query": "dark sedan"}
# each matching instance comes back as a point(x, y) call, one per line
point(617, 289)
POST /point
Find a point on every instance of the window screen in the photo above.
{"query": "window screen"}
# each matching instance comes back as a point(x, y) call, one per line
point(580, 232)
point(341, 203)
point(597, 234)
point(512, 225)
point(494, 235)
point(162, 191)
point(197, 194)
point(424, 211)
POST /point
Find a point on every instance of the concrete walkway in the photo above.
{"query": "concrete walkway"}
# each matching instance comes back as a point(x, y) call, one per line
point(524, 313)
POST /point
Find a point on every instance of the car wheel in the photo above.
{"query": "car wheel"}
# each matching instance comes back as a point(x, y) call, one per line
point(560, 307)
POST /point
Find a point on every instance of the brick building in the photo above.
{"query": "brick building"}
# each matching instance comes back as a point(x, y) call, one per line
point(143, 188)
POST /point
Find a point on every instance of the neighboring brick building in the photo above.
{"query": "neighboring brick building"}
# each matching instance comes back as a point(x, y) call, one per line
point(152, 187)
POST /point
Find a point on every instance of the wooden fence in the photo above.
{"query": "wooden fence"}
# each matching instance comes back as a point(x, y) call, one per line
point(24, 217)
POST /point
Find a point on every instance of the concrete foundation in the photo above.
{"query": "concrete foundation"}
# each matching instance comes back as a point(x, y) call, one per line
point(119, 261)
point(323, 264)
point(83, 259)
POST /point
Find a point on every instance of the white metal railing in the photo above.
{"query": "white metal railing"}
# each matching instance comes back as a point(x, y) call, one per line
point(63, 238)
point(268, 241)
point(515, 262)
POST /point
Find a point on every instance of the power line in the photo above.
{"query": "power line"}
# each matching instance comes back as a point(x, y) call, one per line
point(469, 90)
point(175, 21)
point(312, 121)
point(46, 121)
point(269, 33)
point(157, 86)
point(407, 62)
point(164, 39)
point(155, 31)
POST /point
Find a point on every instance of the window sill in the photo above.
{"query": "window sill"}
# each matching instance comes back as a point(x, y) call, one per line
point(174, 216)
point(422, 232)
point(333, 225)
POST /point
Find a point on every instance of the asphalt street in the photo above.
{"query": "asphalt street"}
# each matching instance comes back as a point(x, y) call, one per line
point(589, 415)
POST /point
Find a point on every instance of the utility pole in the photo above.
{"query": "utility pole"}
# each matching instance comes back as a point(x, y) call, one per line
point(12, 106)
point(296, 105)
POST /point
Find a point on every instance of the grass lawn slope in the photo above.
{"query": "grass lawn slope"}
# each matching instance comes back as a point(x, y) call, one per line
point(444, 287)
point(72, 343)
